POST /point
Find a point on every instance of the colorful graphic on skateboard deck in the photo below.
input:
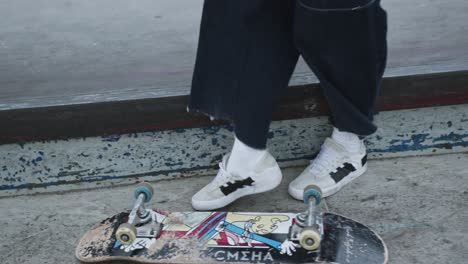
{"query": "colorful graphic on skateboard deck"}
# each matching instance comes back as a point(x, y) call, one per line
point(213, 237)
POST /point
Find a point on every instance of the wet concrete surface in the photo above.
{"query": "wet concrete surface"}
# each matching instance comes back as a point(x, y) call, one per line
point(417, 204)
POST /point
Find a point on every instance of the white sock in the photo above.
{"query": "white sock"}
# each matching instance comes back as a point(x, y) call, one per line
point(348, 140)
point(243, 158)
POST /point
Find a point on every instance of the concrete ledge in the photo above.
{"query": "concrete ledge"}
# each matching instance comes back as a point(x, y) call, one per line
point(169, 112)
point(73, 164)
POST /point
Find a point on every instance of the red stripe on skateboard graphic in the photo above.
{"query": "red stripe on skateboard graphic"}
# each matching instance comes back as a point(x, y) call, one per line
point(208, 223)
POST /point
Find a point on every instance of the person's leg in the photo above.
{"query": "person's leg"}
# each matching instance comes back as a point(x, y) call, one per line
point(245, 57)
point(344, 43)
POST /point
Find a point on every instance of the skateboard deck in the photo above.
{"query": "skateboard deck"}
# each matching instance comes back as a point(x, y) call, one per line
point(232, 237)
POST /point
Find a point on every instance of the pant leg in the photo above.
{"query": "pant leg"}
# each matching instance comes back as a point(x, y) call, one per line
point(344, 43)
point(245, 58)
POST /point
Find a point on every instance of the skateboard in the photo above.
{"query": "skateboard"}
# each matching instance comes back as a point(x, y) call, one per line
point(144, 235)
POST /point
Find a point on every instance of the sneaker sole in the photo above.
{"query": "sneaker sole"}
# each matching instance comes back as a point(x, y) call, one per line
point(298, 194)
point(226, 200)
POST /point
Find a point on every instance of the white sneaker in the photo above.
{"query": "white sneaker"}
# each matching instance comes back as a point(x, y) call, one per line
point(333, 167)
point(225, 188)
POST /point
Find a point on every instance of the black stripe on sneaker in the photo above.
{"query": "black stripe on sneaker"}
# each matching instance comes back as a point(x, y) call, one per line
point(364, 160)
point(342, 172)
point(233, 186)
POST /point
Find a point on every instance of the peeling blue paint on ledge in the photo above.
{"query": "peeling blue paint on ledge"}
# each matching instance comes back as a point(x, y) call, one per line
point(124, 159)
point(419, 142)
point(95, 179)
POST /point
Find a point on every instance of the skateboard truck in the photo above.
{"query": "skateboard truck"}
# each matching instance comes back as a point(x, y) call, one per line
point(308, 229)
point(140, 222)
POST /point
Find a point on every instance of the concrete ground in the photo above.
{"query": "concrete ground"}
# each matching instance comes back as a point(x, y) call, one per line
point(417, 204)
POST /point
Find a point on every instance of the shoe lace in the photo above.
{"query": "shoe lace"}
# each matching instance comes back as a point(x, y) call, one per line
point(324, 162)
point(222, 177)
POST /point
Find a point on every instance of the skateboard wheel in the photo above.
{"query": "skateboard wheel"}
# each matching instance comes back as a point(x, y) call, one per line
point(126, 234)
point(146, 189)
point(312, 191)
point(309, 239)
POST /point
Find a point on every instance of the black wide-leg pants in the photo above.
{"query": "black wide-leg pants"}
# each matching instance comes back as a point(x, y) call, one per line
point(248, 50)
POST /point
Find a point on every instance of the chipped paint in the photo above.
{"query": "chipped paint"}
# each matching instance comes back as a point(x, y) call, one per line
point(123, 159)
